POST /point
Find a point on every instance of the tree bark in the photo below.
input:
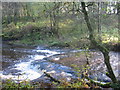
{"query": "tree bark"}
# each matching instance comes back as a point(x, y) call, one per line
point(99, 21)
point(104, 50)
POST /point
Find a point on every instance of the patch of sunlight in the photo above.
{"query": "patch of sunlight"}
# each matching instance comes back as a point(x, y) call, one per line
point(44, 22)
point(108, 38)
point(29, 23)
point(61, 25)
point(69, 21)
point(65, 23)
point(17, 27)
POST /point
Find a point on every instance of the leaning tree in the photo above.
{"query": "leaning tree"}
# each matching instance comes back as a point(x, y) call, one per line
point(98, 45)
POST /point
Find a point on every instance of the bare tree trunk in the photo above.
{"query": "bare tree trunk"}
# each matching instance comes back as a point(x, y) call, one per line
point(54, 20)
point(104, 50)
point(15, 13)
point(99, 22)
point(118, 13)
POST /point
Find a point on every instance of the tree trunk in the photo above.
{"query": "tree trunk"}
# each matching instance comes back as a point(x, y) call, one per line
point(99, 22)
point(118, 13)
point(104, 50)
point(54, 20)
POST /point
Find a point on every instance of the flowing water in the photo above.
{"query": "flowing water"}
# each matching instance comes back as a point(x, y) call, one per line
point(29, 63)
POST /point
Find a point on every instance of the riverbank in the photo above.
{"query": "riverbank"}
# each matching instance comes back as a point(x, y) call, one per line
point(34, 33)
point(95, 63)
point(76, 59)
point(81, 58)
point(53, 61)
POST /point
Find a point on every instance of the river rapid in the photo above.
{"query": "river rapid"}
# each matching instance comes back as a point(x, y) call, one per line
point(29, 63)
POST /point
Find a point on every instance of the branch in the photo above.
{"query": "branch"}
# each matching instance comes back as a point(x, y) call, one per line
point(91, 4)
point(53, 79)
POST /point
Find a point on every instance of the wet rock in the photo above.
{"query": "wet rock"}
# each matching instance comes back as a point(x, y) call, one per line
point(100, 77)
point(11, 71)
point(56, 70)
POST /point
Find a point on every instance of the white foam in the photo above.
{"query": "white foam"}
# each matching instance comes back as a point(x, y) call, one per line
point(28, 72)
point(57, 58)
point(36, 57)
point(48, 51)
point(32, 75)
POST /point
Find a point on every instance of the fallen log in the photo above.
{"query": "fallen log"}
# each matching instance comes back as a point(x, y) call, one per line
point(52, 78)
point(107, 85)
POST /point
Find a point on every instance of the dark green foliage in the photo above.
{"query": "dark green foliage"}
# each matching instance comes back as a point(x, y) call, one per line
point(115, 85)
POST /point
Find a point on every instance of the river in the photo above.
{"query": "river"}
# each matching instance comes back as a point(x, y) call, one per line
point(30, 62)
